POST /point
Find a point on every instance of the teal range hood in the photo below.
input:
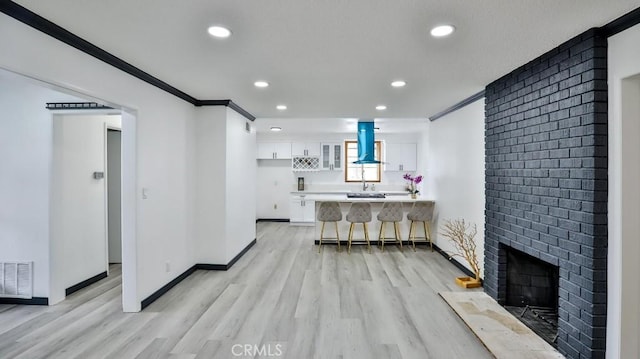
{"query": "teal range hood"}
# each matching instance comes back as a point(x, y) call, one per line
point(366, 143)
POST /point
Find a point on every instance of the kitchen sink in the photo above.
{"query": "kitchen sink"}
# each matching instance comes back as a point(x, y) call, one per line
point(365, 195)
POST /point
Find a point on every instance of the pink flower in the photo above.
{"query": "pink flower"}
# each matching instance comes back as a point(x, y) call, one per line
point(413, 181)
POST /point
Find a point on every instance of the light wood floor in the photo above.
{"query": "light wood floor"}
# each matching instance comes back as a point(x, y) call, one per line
point(281, 297)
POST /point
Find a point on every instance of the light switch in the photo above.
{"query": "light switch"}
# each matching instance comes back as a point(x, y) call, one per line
point(145, 193)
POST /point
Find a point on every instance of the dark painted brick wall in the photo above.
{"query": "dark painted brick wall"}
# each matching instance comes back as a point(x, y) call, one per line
point(546, 182)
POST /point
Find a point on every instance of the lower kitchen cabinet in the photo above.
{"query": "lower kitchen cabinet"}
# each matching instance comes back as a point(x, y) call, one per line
point(302, 211)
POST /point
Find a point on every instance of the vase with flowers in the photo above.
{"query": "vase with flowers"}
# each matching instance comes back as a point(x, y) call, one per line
point(413, 181)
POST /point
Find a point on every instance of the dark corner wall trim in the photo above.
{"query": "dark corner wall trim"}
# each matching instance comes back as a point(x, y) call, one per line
point(464, 269)
point(32, 301)
point(205, 266)
point(622, 23)
point(85, 283)
point(459, 105)
point(39, 23)
point(229, 104)
point(157, 294)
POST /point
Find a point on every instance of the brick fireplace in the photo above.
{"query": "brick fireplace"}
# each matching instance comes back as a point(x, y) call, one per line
point(532, 293)
point(546, 183)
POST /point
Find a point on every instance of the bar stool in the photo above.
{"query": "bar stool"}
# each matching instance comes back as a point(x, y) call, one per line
point(360, 212)
point(390, 212)
point(422, 211)
point(329, 212)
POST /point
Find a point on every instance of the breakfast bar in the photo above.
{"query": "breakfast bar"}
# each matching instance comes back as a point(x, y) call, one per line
point(376, 201)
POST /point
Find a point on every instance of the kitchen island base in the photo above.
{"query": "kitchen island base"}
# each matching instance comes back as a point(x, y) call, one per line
point(373, 226)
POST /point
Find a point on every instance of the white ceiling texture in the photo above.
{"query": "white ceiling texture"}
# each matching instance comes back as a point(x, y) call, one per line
point(330, 59)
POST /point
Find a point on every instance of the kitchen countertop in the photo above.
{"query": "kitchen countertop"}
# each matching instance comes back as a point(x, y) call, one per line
point(306, 193)
point(343, 198)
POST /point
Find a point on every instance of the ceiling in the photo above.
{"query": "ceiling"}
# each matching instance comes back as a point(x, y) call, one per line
point(330, 59)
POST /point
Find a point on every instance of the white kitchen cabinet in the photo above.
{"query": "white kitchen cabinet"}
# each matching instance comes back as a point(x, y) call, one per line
point(331, 157)
point(311, 149)
point(302, 211)
point(401, 157)
point(274, 150)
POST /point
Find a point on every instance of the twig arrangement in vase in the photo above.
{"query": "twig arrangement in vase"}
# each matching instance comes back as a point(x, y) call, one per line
point(462, 236)
point(412, 185)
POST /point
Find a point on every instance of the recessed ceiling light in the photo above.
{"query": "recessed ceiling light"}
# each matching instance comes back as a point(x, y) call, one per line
point(261, 84)
point(281, 107)
point(219, 31)
point(381, 107)
point(398, 83)
point(276, 129)
point(442, 30)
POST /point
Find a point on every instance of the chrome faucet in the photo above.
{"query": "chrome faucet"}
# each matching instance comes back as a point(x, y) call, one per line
point(364, 182)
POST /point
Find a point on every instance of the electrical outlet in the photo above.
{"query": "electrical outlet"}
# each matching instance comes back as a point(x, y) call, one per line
point(275, 206)
point(167, 266)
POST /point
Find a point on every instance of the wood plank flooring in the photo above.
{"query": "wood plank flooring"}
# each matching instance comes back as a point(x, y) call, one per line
point(281, 299)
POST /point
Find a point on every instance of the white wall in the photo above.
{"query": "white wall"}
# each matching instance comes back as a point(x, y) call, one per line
point(225, 185)
point(241, 184)
point(455, 172)
point(25, 157)
point(623, 283)
point(210, 217)
point(276, 180)
point(78, 240)
point(162, 150)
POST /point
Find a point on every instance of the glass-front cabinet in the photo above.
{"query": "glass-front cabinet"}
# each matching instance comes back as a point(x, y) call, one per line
point(331, 156)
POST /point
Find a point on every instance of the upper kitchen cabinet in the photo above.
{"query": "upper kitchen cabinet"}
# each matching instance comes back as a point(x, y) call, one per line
point(311, 149)
point(274, 150)
point(331, 157)
point(401, 157)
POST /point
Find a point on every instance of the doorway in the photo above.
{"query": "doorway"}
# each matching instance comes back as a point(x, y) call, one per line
point(31, 148)
point(79, 201)
point(114, 193)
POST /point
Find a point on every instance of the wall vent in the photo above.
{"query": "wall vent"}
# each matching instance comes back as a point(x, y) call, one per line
point(16, 280)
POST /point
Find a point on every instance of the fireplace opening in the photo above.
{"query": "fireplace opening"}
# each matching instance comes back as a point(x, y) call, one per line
point(532, 293)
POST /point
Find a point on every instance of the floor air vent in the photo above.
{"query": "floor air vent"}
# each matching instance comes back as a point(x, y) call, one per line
point(16, 280)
